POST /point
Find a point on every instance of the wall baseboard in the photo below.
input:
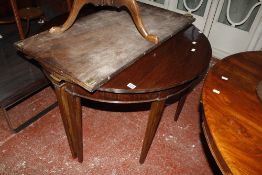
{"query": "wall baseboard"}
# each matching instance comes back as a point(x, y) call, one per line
point(219, 54)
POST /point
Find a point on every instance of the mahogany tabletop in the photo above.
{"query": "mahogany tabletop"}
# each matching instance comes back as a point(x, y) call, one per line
point(175, 62)
point(100, 45)
point(170, 69)
point(233, 113)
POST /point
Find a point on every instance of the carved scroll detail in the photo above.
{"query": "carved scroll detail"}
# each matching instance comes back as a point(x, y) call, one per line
point(130, 4)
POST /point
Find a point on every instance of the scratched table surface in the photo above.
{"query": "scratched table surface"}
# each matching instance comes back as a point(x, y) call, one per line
point(100, 45)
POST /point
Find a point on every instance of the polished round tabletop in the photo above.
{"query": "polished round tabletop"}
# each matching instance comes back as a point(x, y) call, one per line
point(177, 61)
point(233, 113)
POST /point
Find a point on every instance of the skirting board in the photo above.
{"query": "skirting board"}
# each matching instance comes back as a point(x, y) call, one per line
point(220, 54)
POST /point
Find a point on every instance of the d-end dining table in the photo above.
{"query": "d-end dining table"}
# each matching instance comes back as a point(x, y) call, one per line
point(170, 68)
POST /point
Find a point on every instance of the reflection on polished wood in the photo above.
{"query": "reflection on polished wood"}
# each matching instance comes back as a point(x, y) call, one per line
point(233, 117)
point(169, 69)
point(158, 76)
point(130, 4)
point(101, 48)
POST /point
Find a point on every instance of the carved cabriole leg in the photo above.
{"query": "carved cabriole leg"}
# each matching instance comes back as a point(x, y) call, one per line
point(77, 5)
point(134, 10)
point(65, 114)
point(155, 115)
point(130, 4)
point(180, 106)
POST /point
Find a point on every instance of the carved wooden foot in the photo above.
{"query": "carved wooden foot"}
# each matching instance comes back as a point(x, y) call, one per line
point(134, 10)
point(78, 4)
point(130, 4)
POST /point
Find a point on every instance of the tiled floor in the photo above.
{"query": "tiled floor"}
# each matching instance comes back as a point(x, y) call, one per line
point(113, 137)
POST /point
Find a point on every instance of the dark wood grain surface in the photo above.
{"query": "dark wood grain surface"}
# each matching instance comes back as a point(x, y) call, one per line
point(233, 113)
point(100, 45)
point(171, 68)
point(172, 64)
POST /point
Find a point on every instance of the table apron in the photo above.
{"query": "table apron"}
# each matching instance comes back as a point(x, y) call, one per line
point(127, 98)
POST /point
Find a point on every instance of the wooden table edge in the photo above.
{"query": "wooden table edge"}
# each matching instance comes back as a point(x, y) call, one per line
point(214, 150)
point(210, 139)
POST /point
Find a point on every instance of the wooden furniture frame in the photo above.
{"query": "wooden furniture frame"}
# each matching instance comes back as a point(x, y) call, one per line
point(18, 20)
point(233, 113)
point(4, 111)
point(148, 79)
point(130, 4)
point(28, 14)
point(170, 70)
